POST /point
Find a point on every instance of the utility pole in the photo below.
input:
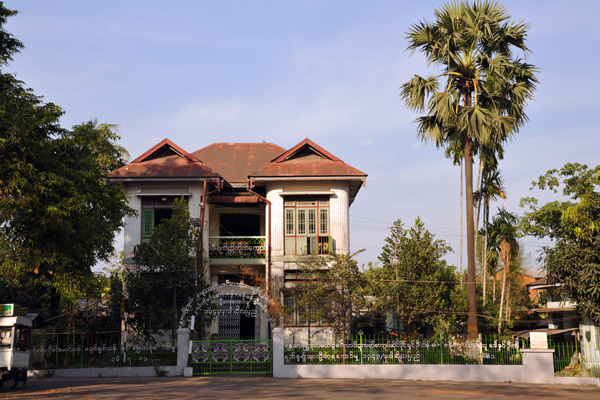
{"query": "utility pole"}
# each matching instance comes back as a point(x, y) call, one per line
point(199, 262)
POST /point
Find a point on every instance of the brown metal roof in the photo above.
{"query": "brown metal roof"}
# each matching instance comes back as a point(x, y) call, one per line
point(309, 167)
point(166, 167)
point(236, 161)
point(164, 160)
point(308, 159)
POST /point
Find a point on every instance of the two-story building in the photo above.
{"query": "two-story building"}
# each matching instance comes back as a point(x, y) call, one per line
point(264, 208)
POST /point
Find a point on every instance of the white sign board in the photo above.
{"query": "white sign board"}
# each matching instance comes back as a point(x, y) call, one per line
point(538, 340)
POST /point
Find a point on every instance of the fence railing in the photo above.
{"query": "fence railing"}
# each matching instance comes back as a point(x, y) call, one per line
point(237, 247)
point(575, 359)
point(73, 352)
point(211, 357)
point(434, 350)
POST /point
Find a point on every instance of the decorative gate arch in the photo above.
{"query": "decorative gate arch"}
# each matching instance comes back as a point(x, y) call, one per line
point(230, 356)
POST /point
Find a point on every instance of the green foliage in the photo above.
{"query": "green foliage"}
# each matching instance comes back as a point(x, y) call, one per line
point(164, 276)
point(335, 291)
point(58, 213)
point(414, 281)
point(574, 260)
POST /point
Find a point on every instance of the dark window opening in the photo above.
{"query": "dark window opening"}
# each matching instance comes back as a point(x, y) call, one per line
point(239, 225)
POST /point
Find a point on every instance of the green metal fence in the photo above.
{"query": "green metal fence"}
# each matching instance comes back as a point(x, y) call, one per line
point(211, 357)
point(60, 351)
point(575, 359)
point(434, 350)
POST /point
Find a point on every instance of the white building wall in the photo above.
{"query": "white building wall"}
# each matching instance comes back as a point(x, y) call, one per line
point(274, 189)
point(133, 225)
point(338, 209)
point(339, 226)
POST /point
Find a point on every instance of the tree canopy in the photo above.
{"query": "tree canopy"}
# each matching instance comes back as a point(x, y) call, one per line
point(574, 226)
point(58, 212)
point(414, 281)
point(164, 275)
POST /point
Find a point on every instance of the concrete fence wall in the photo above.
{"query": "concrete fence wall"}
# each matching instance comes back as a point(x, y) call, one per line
point(538, 367)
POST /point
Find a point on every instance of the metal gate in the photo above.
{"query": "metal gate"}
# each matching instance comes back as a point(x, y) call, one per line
point(212, 357)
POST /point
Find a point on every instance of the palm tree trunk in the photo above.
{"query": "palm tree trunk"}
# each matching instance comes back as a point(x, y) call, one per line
point(471, 288)
point(508, 308)
point(478, 206)
point(461, 224)
point(505, 251)
point(486, 211)
point(494, 289)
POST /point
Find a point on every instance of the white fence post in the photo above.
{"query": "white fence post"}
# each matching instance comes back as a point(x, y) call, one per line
point(278, 353)
point(538, 365)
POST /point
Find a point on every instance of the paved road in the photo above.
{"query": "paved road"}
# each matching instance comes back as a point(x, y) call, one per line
point(253, 387)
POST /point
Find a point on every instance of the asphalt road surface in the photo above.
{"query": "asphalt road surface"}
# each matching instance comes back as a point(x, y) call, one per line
point(260, 387)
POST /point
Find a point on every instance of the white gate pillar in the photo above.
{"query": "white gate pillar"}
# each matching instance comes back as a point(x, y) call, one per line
point(183, 345)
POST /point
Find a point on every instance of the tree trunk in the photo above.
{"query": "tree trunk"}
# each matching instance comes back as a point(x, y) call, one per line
point(494, 289)
point(54, 302)
point(461, 225)
point(504, 254)
point(486, 211)
point(174, 323)
point(478, 206)
point(472, 293)
point(508, 308)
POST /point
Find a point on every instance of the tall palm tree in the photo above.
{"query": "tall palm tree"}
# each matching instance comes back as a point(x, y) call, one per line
point(483, 97)
point(504, 233)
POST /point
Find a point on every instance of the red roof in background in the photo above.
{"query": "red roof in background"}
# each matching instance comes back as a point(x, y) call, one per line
point(164, 160)
point(236, 161)
point(308, 159)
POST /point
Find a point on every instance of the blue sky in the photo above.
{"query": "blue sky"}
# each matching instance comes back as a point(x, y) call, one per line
point(198, 72)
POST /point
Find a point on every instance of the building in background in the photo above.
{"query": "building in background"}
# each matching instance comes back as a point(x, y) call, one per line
point(266, 208)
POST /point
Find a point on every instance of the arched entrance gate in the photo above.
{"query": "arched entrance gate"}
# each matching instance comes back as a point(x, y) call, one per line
point(243, 344)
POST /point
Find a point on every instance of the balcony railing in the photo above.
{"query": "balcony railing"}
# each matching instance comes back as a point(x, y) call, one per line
point(237, 247)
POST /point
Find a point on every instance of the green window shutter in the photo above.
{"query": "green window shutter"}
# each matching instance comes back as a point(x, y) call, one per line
point(147, 223)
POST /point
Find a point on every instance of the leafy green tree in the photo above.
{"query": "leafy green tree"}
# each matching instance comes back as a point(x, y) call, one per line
point(574, 226)
point(337, 291)
point(58, 212)
point(164, 274)
point(483, 97)
point(414, 280)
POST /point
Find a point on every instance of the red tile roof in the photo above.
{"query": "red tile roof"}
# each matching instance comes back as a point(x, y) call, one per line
point(164, 160)
point(236, 161)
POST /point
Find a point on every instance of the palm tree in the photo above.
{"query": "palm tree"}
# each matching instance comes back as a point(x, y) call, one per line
point(492, 188)
point(484, 95)
point(503, 234)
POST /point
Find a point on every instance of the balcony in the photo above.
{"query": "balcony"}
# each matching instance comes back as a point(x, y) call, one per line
point(238, 247)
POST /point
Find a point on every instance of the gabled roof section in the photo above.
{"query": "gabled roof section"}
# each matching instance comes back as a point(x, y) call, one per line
point(164, 149)
point(236, 161)
point(306, 149)
point(165, 160)
point(307, 159)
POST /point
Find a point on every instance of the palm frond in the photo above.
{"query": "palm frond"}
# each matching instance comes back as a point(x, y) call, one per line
point(416, 91)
